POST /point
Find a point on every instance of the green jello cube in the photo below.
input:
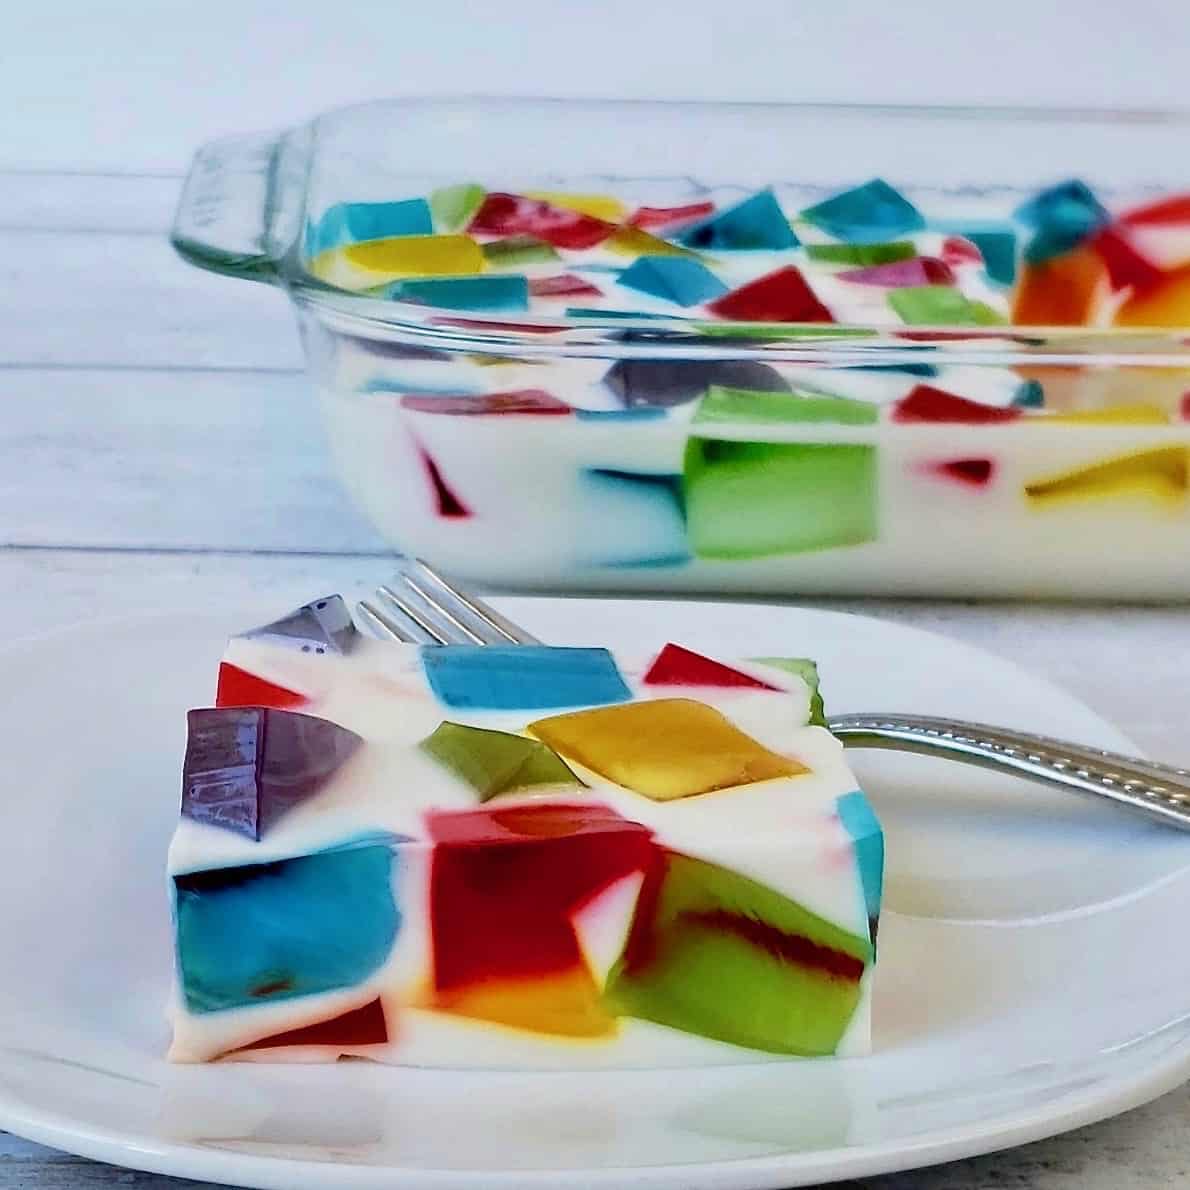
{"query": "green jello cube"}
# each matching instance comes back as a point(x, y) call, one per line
point(496, 762)
point(453, 207)
point(862, 255)
point(714, 953)
point(940, 305)
point(807, 670)
point(751, 405)
point(757, 499)
point(516, 251)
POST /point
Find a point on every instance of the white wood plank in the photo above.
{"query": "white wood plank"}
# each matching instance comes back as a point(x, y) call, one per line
point(226, 461)
point(120, 299)
point(134, 204)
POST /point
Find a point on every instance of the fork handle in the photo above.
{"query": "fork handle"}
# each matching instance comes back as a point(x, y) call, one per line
point(1158, 790)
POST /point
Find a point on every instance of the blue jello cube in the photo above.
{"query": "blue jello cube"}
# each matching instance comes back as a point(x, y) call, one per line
point(996, 242)
point(632, 519)
point(500, 291)
point(351, 222)
point(756, 223)
point(860, 822)
point(522, 677)
point(866, 214)
point(277, 931)
point(1061, 217)
point(677, 279)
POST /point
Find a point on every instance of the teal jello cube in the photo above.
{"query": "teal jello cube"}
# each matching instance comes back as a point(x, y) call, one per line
point(501, 291)
point(755, 224)
point(675, 278)
point(866, 214)
point(352, 222)
point(758, 499)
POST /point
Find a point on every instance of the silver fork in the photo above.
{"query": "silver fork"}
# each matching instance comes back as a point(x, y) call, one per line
point(422, 607)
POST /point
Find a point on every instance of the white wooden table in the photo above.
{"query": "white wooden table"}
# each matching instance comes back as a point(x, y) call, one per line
point(157, 447)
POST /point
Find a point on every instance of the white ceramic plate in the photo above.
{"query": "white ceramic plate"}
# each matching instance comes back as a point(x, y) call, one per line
point(1032, 978)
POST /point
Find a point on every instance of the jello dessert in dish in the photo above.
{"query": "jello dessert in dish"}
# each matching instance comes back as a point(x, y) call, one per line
point(866, 257)
point(521, 857)
point(926, 464)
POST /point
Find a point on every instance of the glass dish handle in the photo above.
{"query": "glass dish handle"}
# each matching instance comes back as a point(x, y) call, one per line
point(222, 218)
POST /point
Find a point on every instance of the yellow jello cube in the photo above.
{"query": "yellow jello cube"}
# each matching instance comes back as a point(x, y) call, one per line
point(598, 206)
point(1114, 415)
point(664, 749)
point(1157, 475)
point(376, 262)
point(631, 241)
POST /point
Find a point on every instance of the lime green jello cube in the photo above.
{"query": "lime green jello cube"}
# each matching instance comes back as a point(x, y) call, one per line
point(752, 405)
point(757, 499)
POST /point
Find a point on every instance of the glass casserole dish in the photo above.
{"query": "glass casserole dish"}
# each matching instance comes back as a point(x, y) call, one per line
point(738, 347)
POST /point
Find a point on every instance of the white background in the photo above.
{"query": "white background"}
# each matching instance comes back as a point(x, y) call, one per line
point(115, 84)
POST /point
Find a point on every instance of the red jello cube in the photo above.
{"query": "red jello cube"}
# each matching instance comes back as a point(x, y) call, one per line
point(781, 296)
point(513, 214)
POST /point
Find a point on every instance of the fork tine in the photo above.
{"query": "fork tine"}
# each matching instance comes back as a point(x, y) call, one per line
point(431, 630)
point(455, 627)
point(388, 627)
point(454, 604)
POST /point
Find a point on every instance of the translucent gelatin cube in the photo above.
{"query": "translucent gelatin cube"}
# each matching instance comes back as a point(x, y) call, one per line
point(871, 213)
point(518, 250)
point(757, 499)
point(246, 767)
point(781, 296)
point(522, 677)
point(928, 404)
point(1060, 291)
point(676, 666)
point(862, 255)
point(996, 242)
point(656, 218)
point(351, 222)
point(496, 762)
point(599, 206)
point(349, 1030)
point(518, 215)
point(630, 518)
point(861, 823)
point(1166, 304)
point(504, 291)
point(714, 953)
point(756, 223)
point(1155, 476)
point(446, 501)
point(565, 285)
point(276, 931)
point(453, 207)
point(972, 473)
point(807, 670)
point(239, 688)
point(1061, 217)
point(736, 405)
point(321, 626)
point(921, 270)
point(631, 241)
point(676, 279)
point(675, 382)
point(529, 401)
point(1174, 209)
point(505, 885)
point(1127, 267)
point(1029, 395)
point(378, 262)
point(665, 748)
point(939, 305)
